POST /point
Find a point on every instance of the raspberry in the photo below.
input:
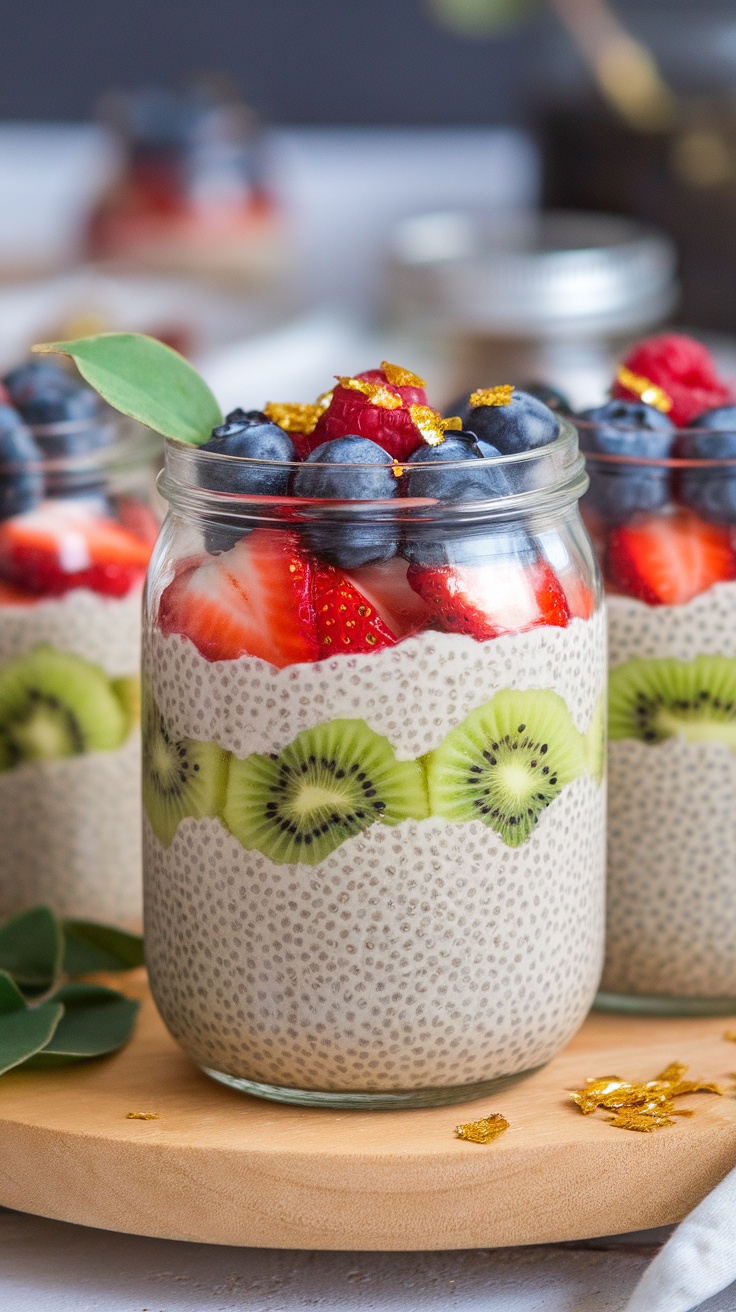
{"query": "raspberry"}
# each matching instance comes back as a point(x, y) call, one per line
point(352, 413)
point(683, 369)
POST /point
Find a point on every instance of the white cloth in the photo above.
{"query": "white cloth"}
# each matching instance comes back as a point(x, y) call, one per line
point(697, 1261)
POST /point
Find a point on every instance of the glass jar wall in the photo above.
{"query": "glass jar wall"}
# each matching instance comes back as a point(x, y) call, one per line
point(374, 844)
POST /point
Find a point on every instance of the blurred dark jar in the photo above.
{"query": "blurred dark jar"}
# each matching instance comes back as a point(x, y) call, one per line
point(554, 300)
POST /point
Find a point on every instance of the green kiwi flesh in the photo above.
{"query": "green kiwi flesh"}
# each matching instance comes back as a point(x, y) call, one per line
point(595, 741)
point(506, 762)
point(330, 783)
point(127, 689)
point(53, 705)
point(181, 776)
point(657, 699)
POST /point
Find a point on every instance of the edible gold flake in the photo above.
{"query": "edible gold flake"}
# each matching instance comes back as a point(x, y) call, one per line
point(647, 391)
point(396, 469)
point(297, 416)
point(401, 377)
point(730, 1035)
point(377, 393)
point(143, 1116)
point(430, 423)
point(453, 424)
point(483, 1131)
point(643, 1107)
point(500, 395)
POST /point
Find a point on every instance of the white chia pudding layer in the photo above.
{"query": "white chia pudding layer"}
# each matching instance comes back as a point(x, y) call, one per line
point(70, 829)
point(428, 955)
point(671, 905)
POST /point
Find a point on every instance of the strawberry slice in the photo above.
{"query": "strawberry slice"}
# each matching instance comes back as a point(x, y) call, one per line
point(63, 545)
point(386, 587)
point(580, 599)
point(666, 560)
point(346, 620)
point(504, 596)
point(253, 600)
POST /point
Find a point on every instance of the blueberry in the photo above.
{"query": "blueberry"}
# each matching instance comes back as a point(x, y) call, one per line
point(250, 440)
point(473, 480)
point(329, 471)
point(250, 436)
point(524, 424)
point(21, 479)
point(626, 428)
point(711, 493)
point(44, 393)
point(550, 396)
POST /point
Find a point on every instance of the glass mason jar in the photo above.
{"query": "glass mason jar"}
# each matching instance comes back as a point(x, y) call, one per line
point(373, 877)
point(663, 530)
point(72, 565)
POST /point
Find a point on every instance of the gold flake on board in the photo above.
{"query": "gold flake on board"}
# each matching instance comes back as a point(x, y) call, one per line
point(143, 1116)
point(643, 1107)
point(485, 1130)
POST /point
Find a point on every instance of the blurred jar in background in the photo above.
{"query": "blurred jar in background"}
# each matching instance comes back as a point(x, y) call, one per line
point(191, 197)
point(554, 299)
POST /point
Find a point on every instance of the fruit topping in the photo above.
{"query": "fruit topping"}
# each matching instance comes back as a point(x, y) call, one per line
point(63, 545)
point(501, 595)
point(181, 777)
point(330, 783)
point(392, 413)
point(511, 420)
point(21, 478)
point(710, 491)
point(255, 599)
point(506, 762)
point(386, 587)
point(349, 469)
point(656, 699)
point(626, 428)
point(673, 373)
point(666, 560)
point(249, 436)
point(44, 393)
point(53, 705)
point(345, 620)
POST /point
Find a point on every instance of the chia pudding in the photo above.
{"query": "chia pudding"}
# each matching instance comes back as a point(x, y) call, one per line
point(76, 532)
point(662, 512)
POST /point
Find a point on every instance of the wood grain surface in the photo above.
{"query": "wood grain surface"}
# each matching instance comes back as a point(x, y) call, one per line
point(221, 1167)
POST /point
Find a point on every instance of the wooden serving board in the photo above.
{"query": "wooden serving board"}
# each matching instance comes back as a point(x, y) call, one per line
point(220, 1167)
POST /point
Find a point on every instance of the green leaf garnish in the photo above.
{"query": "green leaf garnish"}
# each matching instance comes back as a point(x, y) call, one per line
point(90, 947)
point(96, 1021)
point(145, 380)
point(31, 947)
point(24, 1030)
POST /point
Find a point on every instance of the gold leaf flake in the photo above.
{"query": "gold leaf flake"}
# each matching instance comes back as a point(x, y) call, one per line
point(483, 1131)
point(646, 390)
point(500, 395)
point(401, 377)
point(453, 424)
point(377, 393)
point(297, 416)
point(643, 1107)
point(143, 1116)
point(430, 423)
point(730, 1035)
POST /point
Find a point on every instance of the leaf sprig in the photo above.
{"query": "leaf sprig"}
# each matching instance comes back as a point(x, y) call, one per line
point(47, 1017)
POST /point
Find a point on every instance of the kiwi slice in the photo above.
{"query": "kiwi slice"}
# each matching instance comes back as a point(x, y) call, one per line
point(595, 741)
point(330, 783)
point(657, 699)
point(506, 762)
point(181, 776)
point(127, 689)
point(54, 704)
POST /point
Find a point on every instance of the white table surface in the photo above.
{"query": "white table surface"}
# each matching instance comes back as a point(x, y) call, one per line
point(48, 1266)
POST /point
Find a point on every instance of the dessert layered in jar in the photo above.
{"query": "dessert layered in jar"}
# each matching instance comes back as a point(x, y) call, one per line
point(661, 509)
point(374, 726)
point(76, 532)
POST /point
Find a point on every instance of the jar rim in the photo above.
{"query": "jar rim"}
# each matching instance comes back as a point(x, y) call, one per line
point(561, 461)
point(608, 458)
point(131, 445)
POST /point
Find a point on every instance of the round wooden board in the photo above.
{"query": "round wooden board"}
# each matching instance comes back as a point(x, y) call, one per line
point(220, 1167)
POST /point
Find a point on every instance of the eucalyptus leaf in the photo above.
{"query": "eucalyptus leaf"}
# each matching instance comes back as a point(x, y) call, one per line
point(24, 1031)
point(31, 947)
point(96, 1021)
point(91, 947)
point(11, 998)
point(147, 381)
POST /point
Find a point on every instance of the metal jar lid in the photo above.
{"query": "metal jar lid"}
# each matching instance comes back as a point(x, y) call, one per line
point(553, 274)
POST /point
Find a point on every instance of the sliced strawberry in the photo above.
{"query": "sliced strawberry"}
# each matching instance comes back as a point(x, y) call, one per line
point(346, 620)
point(486, 601)
point(666, 560)
point(63, 545)
point(579, 597)
point(253, 600)
point(386, 587)
point(10, 595)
